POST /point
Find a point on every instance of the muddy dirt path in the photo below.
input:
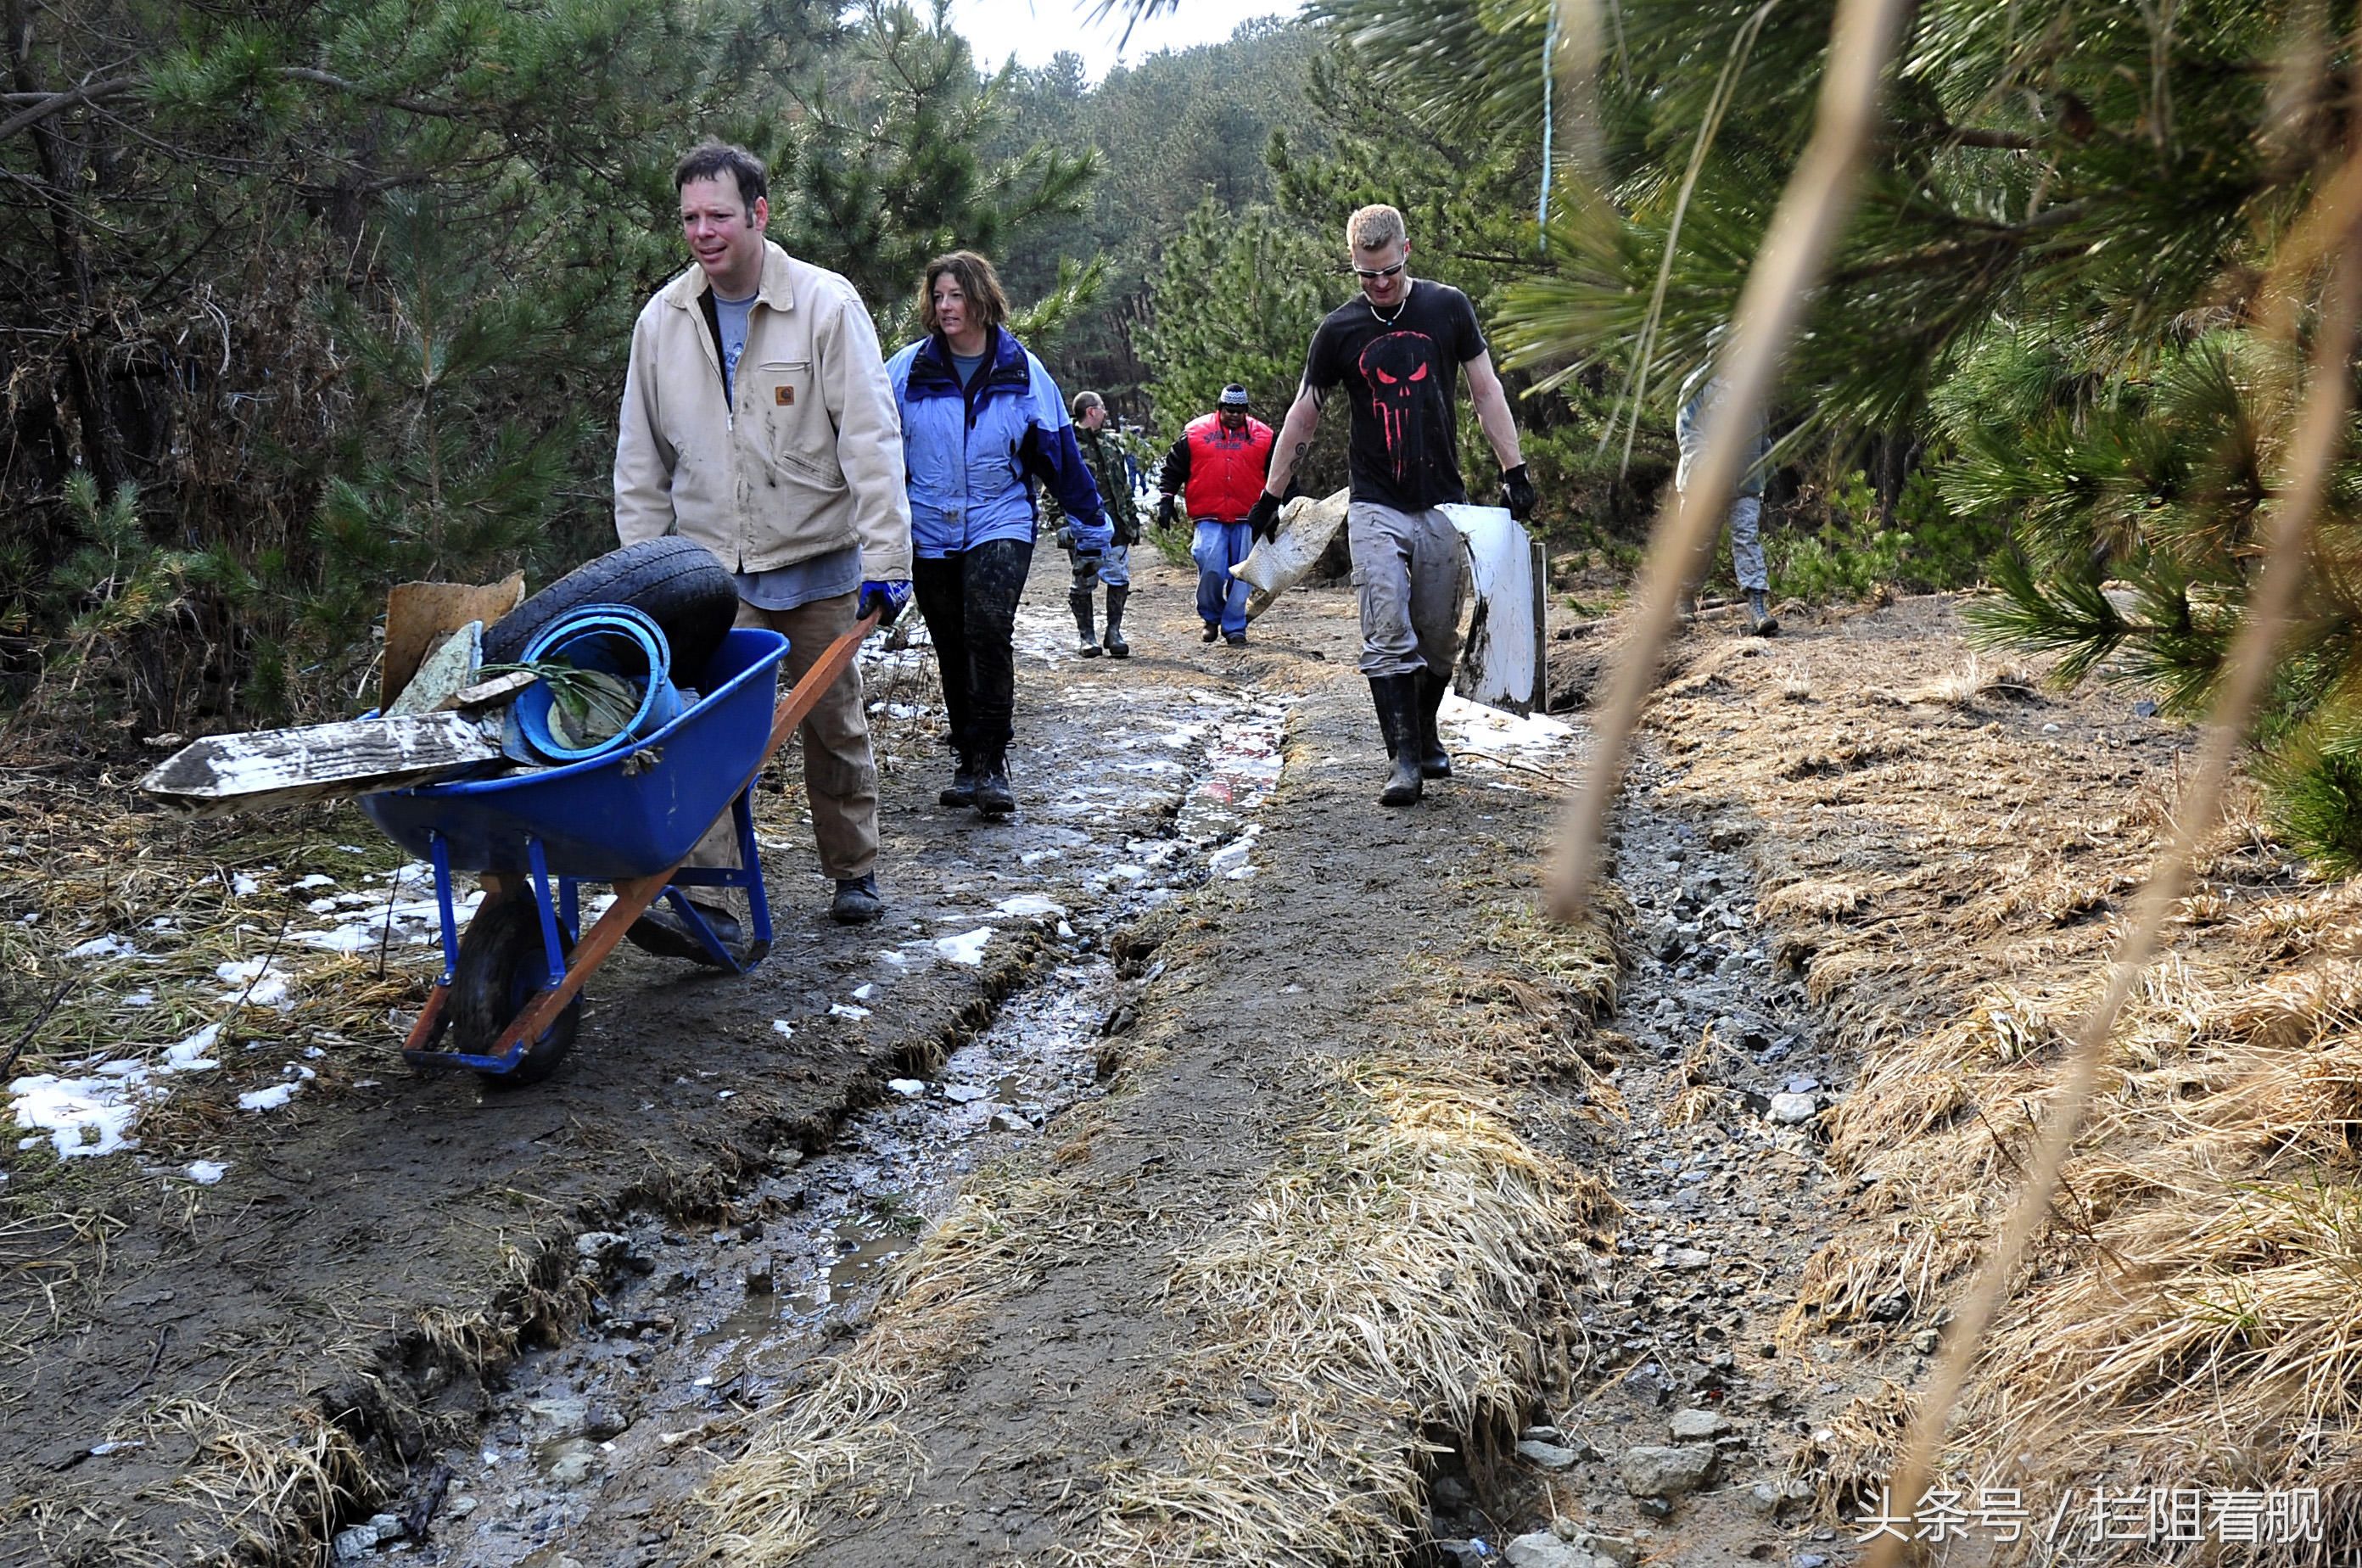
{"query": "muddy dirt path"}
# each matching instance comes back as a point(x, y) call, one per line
point(1107, 1160)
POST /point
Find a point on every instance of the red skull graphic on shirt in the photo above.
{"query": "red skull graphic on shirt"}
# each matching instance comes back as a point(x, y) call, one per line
point(1395, 367)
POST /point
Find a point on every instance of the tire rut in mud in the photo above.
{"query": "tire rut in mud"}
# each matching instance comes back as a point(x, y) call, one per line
point(1688, 1436)
point(691, 1317)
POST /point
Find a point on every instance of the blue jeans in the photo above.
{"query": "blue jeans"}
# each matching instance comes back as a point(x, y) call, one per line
point(1222, 598)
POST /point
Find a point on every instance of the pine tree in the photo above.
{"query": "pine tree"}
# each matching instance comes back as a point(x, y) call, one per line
point(2053, 284)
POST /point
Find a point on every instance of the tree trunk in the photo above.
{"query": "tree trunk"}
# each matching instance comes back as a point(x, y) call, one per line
point(102, 448)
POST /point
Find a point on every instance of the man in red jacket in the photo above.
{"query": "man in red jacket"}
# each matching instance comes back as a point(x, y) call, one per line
point(1218, 469)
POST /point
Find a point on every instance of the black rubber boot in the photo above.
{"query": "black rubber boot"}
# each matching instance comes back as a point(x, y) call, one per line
point(856, 902)
point(993, 796)
point(1434, 762)
point(961, 791)
point(1088, 645)
point(662, 933)
point(1396, 699)
point(1116, 646)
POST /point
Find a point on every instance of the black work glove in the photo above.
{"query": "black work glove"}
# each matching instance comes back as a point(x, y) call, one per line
point(1262, 517)
point(1167, 513)
point(1518, 492)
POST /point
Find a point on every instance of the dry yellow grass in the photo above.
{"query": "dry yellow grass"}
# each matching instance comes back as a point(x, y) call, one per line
point(1394, 1276)
point(2189, 1315)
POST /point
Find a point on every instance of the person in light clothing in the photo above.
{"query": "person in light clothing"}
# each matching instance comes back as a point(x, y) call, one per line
point(757, 421)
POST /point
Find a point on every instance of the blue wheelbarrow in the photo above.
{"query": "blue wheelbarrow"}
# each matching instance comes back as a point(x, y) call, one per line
point(510, 997)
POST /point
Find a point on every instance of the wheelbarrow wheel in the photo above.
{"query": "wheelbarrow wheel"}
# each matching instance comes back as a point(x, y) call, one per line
point(500, 968)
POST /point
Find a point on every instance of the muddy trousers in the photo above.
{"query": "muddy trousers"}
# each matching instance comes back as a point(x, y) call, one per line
point(1222, 598)
point(1411, 575)
point(969, 601)
point(1111, 567)
point(840, 775)
point(1746, 563)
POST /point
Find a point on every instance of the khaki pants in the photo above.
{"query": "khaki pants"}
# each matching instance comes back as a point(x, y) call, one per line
point(840, 775)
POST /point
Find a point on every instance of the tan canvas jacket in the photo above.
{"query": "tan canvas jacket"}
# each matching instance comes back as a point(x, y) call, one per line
point(808, 461)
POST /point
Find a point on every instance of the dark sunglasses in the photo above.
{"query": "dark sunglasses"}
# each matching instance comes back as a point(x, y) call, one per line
point(1370, 274)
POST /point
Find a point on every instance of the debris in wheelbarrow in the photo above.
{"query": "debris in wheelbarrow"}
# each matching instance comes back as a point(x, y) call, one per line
point(674, 584)
point(602, 679)
point(223, 774)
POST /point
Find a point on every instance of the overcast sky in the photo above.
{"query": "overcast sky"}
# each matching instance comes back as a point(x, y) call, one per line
point(1034, 30)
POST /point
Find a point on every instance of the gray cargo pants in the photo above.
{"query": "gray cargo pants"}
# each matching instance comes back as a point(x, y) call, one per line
point(1410, 574)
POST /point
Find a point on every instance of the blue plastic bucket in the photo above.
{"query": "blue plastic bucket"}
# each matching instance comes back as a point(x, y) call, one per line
point(617, 640)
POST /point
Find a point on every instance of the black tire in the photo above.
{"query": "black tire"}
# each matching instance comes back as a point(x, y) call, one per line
point(676, 582)
point(501, 964)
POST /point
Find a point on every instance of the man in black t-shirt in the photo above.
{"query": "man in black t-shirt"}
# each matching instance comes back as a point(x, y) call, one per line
point(1397, 350)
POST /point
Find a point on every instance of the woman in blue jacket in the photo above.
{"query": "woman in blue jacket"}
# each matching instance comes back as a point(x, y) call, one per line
point(979, 417)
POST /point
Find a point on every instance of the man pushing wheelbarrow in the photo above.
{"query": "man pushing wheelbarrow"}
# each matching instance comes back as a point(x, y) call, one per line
point(757, 421)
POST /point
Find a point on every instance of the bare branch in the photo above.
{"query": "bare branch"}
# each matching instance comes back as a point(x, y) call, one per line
point(49, 104)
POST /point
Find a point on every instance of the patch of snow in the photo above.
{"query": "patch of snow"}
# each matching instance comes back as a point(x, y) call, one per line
point(245, 885)
point(1029, 904)
point(786, 1031)
point(316, 879)
point(908, 1088)
point(107, 946)
point(965, 948)
point(846, 1010)
point(90, 1115)
point(138, 999)
point(270, 1099)
point(260, 982)
point(206, 1173)
point(189, 1056)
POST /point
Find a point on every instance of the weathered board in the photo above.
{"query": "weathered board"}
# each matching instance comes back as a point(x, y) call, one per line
point(225, 774)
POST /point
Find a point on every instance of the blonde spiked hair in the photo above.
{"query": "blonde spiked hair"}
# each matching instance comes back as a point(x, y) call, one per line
point(1374, 229)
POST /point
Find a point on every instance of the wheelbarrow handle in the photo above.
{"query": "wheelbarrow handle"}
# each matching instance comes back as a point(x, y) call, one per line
point(633, 896)
point(805, 695)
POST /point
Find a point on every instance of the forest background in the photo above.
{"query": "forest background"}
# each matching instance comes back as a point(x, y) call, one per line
point(304, 301)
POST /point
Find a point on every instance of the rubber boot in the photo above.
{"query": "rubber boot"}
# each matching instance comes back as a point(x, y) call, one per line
point(1213, 631)
point(1088, 644)
point(856, 902)
point(993, 796)
point(1434, 762)
point(1116, 646)
point(1758, 610)
point(1396, 699)
point(662, 931)
point(961, 791)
